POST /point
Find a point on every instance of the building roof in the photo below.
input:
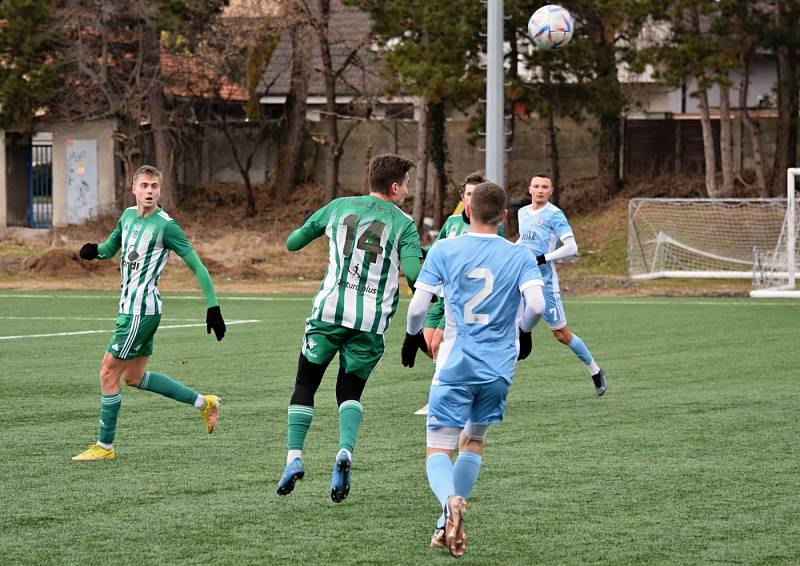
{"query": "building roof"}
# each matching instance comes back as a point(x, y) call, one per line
point(349, 30)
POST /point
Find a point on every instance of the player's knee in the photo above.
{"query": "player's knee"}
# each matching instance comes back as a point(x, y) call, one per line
point(349, 387)
point(562, 335)
point(133, 378)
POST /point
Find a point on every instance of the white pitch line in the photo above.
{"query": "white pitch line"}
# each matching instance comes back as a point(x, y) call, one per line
point(107, 330)
point(165, 297)
point(95, 318)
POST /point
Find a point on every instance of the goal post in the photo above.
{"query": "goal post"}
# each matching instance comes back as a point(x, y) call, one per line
point(775, 269)
point(700, 237)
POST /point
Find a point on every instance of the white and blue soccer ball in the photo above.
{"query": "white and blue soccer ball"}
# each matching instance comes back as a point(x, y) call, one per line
point(551, 27)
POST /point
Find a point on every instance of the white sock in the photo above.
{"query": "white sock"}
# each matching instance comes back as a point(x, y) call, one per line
point(593, 368)
point(290, 457)
point(200, 402)
point(104, 445)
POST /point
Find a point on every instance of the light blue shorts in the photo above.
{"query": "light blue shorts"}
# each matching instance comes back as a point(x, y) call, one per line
point(554, 310)
point(453, 405)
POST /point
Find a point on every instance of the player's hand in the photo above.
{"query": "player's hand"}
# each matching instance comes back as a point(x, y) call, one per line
point(88, 251)
point(214, 322)
point(412, 343)
point(540, 259)
point(525, 345)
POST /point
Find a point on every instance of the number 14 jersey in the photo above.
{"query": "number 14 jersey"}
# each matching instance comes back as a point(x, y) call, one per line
point(368, 237)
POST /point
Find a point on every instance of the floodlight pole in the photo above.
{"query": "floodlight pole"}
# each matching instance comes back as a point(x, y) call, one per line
point(495, 130)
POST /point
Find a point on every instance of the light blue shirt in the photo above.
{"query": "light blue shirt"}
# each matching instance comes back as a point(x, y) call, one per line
point(540, 231)
point(482, 277)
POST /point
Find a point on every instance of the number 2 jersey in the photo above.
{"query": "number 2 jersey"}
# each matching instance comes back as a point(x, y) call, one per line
point(482, 277)
point(368, 237)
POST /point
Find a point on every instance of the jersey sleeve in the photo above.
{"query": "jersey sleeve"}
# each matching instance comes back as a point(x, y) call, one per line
point(312, 229)
point(529, 273)
point(409, 242)
point(107, 249)
point(561, 227)
point(431, 276)
point(175, 239)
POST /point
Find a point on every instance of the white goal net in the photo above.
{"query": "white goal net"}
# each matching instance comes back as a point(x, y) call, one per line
point(775, 269)
point(700, 238)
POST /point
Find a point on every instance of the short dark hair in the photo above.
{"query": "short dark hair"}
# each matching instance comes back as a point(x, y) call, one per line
point(386, 169)
point(474, 178)
point(488, 203)
point(543, 175)
point(147, 170)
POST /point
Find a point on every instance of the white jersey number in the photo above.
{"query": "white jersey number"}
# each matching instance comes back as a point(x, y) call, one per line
point(488, 284)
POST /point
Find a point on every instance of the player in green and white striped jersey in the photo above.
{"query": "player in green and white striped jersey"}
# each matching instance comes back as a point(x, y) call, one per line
point(370, 239)
point(146, 235)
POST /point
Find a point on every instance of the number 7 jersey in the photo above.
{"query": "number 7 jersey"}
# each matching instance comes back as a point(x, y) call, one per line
point(367, 239)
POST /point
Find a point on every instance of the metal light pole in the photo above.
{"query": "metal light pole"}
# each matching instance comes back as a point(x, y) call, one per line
point(495, 127)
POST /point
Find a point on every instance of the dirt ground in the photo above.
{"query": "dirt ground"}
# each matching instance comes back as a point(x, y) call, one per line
point(247, 254)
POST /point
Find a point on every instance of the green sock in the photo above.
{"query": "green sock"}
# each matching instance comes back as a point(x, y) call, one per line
point(300, 417)
point(109, 409)
point(168, 387)
point(350, 415)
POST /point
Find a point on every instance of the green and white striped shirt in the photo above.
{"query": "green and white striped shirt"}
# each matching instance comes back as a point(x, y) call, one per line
point(368, 238)
point(145, 242)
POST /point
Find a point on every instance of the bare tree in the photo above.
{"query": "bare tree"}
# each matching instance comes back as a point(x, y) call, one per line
point(291, 147)
point(423, 145)
point(333, 73)
point(754, 129)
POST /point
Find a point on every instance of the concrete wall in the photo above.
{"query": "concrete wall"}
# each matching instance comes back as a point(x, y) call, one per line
point(102, 132)
point(212, 158)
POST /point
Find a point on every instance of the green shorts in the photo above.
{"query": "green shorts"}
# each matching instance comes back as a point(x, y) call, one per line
point(359, 351)
point(435, 317)
point(133, 335)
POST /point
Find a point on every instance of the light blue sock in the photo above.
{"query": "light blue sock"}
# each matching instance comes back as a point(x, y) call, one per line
point(440, 476)
point(465, 473)
point(580, 349)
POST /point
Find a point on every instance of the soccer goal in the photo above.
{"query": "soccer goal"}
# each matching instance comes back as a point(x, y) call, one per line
point(702, 237)
point(775, 268)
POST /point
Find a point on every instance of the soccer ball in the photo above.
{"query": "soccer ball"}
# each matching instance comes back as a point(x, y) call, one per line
point(550, 27)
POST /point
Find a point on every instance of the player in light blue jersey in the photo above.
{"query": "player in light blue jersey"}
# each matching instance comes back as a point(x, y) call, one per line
point(542, 225)
point(484, 279)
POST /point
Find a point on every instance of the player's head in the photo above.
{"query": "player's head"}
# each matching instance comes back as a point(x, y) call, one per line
point(147, 186)
point(488, 204)
point(470, 182)
point(540, 189)
point(388, 175)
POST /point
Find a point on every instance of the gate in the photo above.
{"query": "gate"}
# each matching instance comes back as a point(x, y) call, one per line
point(40, 186)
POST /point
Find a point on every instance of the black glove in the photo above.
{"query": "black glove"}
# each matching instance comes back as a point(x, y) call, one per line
point(411, 344)
point(214, 321)
point(540, 259)
point(88, 251)
point(525, 345)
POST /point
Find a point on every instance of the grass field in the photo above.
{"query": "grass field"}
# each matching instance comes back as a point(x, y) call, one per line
point(690, 458)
